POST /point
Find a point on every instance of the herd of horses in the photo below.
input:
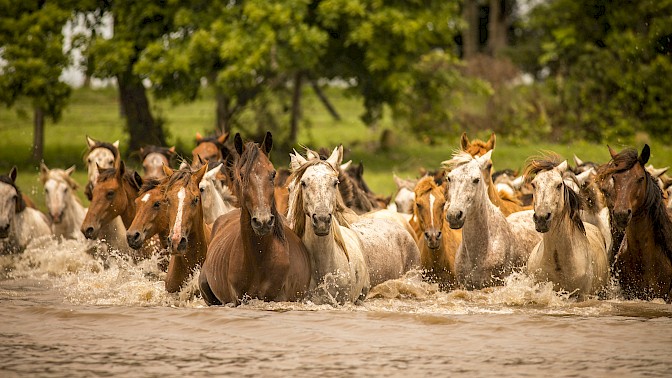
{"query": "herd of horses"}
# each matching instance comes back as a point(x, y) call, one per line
point(316, 232)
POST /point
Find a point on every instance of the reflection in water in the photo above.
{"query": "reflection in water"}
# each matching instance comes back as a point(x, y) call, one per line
point(66, 313)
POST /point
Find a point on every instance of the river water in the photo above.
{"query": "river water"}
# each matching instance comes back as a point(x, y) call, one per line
point(65, 313)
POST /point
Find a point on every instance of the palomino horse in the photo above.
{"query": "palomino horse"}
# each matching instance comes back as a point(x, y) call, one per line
point(504, 201)
point(112, 208)
point(643, 264)
point(253, 253)
point(65, 209)
point(217, 199)
point(571, 254)
point(151, 215)
point(209, 149)
point(188, 236)
point(437, 242)
point(154, 158)
point(338, 266)
point(100, 154)
point(492, 244)
point(18, 224)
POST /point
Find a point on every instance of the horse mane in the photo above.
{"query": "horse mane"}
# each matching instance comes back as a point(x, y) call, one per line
point(60, 175)
point(572, 199)
point(149, 184)
point(477, 147)
point(183, 174)
point(653, 200)
point(245, 163)
point(20, 202)
point(426, 184)
point(459, 158)
point(110, 173)
point(150, 148)
point(343, 214)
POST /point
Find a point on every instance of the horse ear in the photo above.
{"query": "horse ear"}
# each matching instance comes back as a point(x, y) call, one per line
point(70, 170)
point(238, 143)
point(267, 143)
point(296, 161)
point(562, 167)
point(213, 172)
point(200, 160)
point(222, 138)
point(334, 159)
point(485, 158)
point(116, 144)
point(578, 162)
point(491, 141)
point(360, 169)
point(346, 165)
point(397, 181)
point(167, 170)
point(122, 168)
point(645, 155)
point(13, 173)
point(612, 152)
point(44, 171)
point(137, 179)
point(584, 176)
point(90, 141)
point(312, 155)
point(98, 168)
point(198, 175)
point(142, 151)
point(464, 141)
point(171, 150)
point(199, 137)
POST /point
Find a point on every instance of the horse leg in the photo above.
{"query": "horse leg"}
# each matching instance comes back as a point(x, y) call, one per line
point(206, 292)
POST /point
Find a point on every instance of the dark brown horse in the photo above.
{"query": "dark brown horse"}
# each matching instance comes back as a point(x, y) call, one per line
point(643, 264)
point(188, 235)
point(113, 196)
point(253, 254)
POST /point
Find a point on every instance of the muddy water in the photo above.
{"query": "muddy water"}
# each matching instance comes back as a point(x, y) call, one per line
point(65, 314)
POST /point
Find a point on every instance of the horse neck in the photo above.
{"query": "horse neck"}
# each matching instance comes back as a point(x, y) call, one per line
point(325, 254)
point(73, 218)
point(181, 266)
point(128, 213)
point(482, 220)
point(564, 235)
point(640, 232)
point(254, 246)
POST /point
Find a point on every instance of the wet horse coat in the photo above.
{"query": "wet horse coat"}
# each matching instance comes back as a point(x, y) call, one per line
point(65, 209)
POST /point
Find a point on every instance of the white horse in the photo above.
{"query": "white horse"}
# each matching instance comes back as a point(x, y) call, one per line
point(389, 248)
point(339, 269)
point(65, 209)
point(572, 254)
point(100, 154)
point(404, 199)
point(217, 198)
point(490, 248)
point(18, 224)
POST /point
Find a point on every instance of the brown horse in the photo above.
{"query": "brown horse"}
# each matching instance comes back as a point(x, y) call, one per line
point(188, 234)
point(113, 196)
point(151, 215)
point(506, 203)
point(437, 242)
point(210, 148)
point(643, 264)
point(253, 254)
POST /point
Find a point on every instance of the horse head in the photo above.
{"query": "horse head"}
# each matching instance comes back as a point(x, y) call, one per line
point(150, 213)
point(428, 210)
point(185, 210)
point(548, 186)
point(11, 201)
point(58, 185)
point(631, 183)
point(208, 149)
point(153, 158)
point(466, 185)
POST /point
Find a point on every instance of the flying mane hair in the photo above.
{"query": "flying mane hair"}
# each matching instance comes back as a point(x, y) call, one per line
point(653, 202)
point(459, 158)
point(244, 164)
point(20, 203)
point(342, 213)
point(573, 200)
point(426, 184)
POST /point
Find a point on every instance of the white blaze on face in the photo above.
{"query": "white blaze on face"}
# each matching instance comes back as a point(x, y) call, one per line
point(177, 227)
point(431, 208)
point(145, 198)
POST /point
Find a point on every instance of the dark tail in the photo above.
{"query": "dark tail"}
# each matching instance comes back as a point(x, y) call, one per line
point(207, 294)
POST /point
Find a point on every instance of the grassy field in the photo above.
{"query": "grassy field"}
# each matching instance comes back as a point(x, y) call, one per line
point(96, 113)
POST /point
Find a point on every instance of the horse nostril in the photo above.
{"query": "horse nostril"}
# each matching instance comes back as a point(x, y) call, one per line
point(271, 219)
point(629, 211)
point(438, 235)
point(255, 221)
point(426, 234)
point(136, 236)
point(460, 214)
point(548, 216)
point(314, 218)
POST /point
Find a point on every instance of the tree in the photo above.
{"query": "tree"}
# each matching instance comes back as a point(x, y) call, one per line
point(135, 25)
point(31, 48)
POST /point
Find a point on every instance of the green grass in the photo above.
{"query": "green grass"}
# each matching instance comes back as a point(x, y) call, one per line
point(96, 113)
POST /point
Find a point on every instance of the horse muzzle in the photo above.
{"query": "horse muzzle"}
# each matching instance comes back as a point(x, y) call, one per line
point(455, 219)
point(433, 239)
point(263, 225)
point(135, 239)
point(4, 231)
point(89, 232)
point(321, 224)
point(178, 245)
point(56, 218)
point(542, 222)
point(622, 218)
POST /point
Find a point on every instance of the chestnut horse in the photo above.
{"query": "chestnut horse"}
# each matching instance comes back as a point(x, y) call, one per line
point(100, 154)
point(151, 215)
point(643, 264)
point(209, 149)
point(437, 242)
point(188, 235)
point(112, 207)
point(253, 254)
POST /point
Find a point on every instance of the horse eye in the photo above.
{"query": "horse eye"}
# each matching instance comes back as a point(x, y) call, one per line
point(110, 194)
point(419, 205)
point(194, 201)
point(533, 185)
point(46, 191)
point(336, 183)
point(110, 162)
point(640, 180)
point(89, 160)
point(447, 178)
point(477, 180)
point(157, 204)
point(303, 184)
point(201, 190)
point(65, 190)
point(559, 186)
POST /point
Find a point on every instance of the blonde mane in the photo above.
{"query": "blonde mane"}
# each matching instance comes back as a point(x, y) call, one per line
point(459, 158)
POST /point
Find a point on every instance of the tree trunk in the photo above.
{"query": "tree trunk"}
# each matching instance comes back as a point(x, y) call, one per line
point(142, 128)
point(497, 27)
point(296, 108)
point(38, 134)
point(325, 101)
point(470, 36)
point(223, 113)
